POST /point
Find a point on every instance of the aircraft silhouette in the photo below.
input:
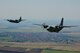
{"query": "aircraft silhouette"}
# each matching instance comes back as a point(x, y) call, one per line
point(15, 21)
point(57, 28)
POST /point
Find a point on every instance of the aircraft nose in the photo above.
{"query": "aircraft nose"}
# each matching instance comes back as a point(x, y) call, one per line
point(45, 26)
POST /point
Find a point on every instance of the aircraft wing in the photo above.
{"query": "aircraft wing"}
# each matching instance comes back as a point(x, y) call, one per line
point(69, 26)
point(9, 20)
point(37, 24)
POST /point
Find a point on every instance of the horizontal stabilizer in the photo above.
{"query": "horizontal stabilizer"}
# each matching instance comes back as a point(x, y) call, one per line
point(23, 20)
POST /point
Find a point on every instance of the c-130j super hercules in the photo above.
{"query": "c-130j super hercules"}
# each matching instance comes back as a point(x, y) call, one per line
point(57, 28)
point(15, 21)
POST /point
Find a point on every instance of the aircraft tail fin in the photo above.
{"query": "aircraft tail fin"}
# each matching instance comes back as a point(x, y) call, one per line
point(20, 19)
point(61, 24)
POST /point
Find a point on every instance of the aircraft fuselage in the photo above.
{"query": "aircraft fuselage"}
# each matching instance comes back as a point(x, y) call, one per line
point(54, 29)
point(14, 21)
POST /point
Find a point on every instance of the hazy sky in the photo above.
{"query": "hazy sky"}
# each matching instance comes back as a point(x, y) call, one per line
point(40, 9)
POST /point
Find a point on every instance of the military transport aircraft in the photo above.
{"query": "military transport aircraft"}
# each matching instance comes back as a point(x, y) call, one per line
point(57, 28)
point(15, 21)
